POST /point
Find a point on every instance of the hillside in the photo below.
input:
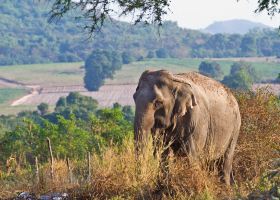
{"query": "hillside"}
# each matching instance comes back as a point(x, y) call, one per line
point(235, 26)
point(27, 38)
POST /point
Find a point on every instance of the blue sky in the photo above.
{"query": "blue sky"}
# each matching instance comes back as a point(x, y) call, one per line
point(197, 14)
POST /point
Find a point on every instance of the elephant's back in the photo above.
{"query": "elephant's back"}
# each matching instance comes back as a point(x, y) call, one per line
point(222, 107)
point(209, 86)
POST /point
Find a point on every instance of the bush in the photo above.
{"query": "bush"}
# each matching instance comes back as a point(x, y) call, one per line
point(151, 54)
point(242, 76)
point(43, 108)
point(211, 69)
point(127, 57)
point(162, 53)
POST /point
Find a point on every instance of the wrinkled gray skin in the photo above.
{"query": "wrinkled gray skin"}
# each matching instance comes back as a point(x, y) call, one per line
point(196, 115)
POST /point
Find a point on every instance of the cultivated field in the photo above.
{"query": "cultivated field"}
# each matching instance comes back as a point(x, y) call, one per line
point(47, 82)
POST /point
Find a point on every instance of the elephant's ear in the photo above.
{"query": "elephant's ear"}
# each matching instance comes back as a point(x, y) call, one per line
point(183, 101)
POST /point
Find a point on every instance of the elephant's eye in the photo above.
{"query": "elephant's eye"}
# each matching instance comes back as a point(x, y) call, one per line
point(158, 104)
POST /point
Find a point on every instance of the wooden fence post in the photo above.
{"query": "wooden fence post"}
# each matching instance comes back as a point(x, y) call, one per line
point(51, 157)
point(37, 170)
point(69, 171)
point(89, 166)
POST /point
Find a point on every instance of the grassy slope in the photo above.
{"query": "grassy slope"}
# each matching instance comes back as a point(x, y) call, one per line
point(45, 74)
point(7, 95)
point(130, 73)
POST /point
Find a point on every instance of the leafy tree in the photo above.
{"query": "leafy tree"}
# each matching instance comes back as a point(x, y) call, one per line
point(99, 65)
point(248, 46)
point(127, 57)
point(238, 66)
point(278, 78)
point(147, 11)
point(128, 113)
point(43, 108)
point(151, 54)
point(211, 69)
point(242, 76)
point(162, 53)
point(74, 104)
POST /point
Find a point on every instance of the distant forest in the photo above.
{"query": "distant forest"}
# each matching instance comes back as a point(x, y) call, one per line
point(27, 37)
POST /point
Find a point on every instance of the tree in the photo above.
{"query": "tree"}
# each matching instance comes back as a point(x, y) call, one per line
point(149, 11)
point(248, 46)
point(97, 12)
point(99, 65)
point(151, 54)
point(43, 108)
point(162, 53)
point(242, 76)
point(211, 69)
point(127, 57)
point(278, 78)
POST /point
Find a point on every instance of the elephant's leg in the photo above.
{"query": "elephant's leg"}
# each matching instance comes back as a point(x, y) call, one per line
point(228, 158)
point(191, 149)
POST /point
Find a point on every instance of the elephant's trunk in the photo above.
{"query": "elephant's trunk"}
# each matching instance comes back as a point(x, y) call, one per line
point(143, 123)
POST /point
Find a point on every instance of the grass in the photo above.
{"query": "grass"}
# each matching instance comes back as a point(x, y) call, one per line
point(8, 94)
point(54, 74)
point(115, 174)
point(130, 73)
point(63, 74)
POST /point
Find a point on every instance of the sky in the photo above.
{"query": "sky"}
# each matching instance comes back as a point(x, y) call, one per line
point(198, 14)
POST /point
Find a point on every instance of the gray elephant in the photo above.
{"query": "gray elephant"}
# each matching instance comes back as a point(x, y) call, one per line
point(195, 115)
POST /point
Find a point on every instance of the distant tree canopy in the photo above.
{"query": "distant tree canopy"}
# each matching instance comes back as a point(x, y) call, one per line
point(28, 38)
point(100, 65)
point(149, 11)
point(242, 76)
point(43, 108)
point(211, 69)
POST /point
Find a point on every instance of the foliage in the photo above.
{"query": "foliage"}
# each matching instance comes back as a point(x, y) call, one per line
point(43, 108)
point(147, 11)
point(28, 38)
point(127, 57)
point(116, 175)
point(241, 76)
point(278, 78)
point(162, 53)
point(81, 106)
point(99, 65)
point(7, 94)
point(211, 69)
point(271, 6)
point(151, 54)
point(75, 128)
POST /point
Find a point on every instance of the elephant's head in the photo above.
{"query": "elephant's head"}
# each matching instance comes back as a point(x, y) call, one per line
point(160, 98)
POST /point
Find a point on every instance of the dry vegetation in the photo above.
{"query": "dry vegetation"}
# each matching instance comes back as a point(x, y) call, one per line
point(116, 175)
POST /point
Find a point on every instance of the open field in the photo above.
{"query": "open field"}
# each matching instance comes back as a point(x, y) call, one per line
point(47, 82)
point(55, 74)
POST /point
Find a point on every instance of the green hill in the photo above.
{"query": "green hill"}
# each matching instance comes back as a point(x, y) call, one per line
point(27, 38)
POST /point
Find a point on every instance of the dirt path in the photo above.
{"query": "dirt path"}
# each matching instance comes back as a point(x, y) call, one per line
point(35, 90)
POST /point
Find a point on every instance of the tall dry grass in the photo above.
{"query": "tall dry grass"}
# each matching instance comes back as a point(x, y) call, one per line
point(116, 174)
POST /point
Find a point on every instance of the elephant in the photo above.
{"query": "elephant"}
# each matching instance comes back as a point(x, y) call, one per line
point(195, 114)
